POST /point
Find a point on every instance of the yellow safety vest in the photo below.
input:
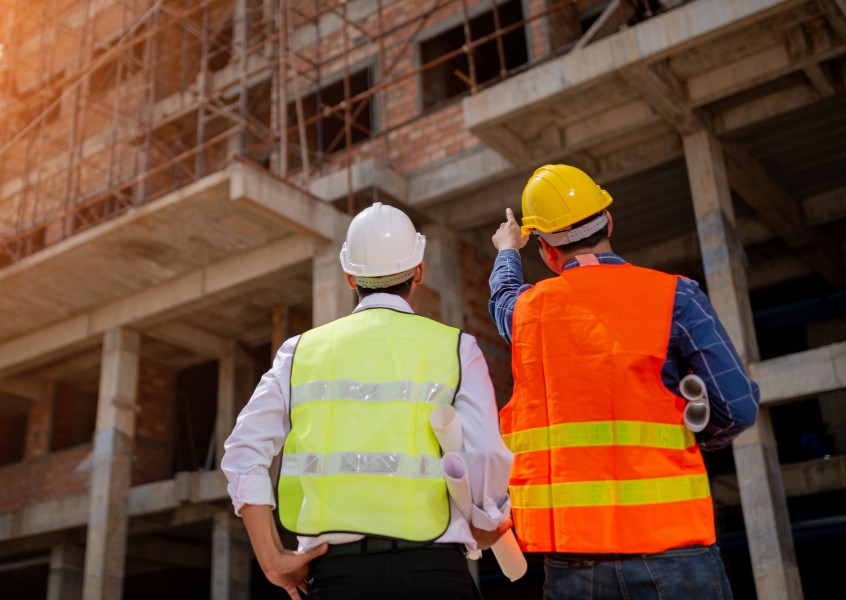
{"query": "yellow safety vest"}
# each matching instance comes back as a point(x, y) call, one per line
point(361, 456)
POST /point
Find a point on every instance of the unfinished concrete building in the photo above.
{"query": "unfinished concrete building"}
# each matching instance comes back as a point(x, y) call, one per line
point(176, 178)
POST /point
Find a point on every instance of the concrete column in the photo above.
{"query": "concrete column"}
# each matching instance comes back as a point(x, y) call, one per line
point(111, 467)
point(236, 144)
point(443, 272)
point(331, 298)
point(66, 568)
point(234, 387)
point(231, 556)
point(758, 470)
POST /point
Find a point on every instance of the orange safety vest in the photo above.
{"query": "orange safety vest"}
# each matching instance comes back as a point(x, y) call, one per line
point(602, 460)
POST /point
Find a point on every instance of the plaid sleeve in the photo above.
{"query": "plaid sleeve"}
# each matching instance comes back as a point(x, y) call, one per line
point(701, 345)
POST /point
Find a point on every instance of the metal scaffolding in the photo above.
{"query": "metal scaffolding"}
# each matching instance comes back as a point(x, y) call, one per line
point(106, 105)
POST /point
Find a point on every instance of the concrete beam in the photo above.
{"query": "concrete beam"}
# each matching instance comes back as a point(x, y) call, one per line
point(188, 490)
point(801, 375)
point(696, 22)
point(782, 213)
point(800, 479)
point(660, 92)
point(457, 176)
point(190, 338)
point(280, 201)
point(151, 306)
point(360, 176)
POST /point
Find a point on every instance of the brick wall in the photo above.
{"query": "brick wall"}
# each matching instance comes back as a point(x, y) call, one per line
point(45, 478)
point(38, 428)
point(475, 270)
point(426, 301)
point(154, 423)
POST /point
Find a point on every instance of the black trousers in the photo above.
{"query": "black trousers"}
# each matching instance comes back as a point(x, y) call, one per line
point(433, 572)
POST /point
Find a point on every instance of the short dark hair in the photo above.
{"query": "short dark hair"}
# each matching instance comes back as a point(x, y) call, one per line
point(401, 289)
point(590, 241)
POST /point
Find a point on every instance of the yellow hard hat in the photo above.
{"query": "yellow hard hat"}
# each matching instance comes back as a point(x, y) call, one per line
point(557, 196)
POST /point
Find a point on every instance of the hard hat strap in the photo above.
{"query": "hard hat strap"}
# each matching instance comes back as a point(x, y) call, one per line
point(385, 281)
point(568, 236)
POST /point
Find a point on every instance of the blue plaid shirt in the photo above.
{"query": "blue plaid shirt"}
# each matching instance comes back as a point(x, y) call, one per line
point(698, 342)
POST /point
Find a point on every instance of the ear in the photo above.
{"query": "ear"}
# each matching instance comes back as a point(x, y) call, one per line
point(548, 252)
point(610, 222)
point(350, 281)
point(418, 273)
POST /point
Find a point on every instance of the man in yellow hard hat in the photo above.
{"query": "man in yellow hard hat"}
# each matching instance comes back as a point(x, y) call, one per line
point(607, 481)
point(348, 404)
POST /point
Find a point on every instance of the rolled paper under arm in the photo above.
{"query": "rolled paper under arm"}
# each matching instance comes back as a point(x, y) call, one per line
point(458, 488)
point(697, 413)
point(458, 484)
point(447, 427)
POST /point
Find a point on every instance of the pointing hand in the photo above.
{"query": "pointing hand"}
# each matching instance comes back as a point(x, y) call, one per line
point(508, 235)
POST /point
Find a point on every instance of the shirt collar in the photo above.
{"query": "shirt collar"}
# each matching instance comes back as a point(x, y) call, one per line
point(605, 258)
point(381, 300)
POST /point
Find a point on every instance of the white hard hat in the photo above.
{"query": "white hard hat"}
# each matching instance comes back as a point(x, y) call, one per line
point(382, 247)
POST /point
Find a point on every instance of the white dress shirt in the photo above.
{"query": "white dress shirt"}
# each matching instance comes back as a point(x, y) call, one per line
point(264, 423)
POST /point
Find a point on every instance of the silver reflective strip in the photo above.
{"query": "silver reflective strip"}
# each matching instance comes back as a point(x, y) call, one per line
point(365, 463)
point(350, 389)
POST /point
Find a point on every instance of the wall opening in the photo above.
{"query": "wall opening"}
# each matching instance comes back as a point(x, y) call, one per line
point(451, 78)
point(196, 411)
point(74, 416)
point(325, 122)
point(13, 418)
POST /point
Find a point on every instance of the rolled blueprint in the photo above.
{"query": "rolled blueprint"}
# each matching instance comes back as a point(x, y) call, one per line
point(458, 487)
point(447, 427)
point(698, 410)
point(444, 420)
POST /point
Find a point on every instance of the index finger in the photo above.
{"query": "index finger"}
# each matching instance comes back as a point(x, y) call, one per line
point(509, 214)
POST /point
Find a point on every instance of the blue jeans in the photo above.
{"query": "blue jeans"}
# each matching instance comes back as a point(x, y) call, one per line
point(694, 572)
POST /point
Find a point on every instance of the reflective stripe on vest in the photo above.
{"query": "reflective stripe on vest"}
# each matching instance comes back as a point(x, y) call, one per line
point(600, 433)
point(361, 456)
point(603, 462)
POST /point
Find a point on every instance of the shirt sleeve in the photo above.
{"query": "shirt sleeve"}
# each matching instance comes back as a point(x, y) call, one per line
point(706, 350)
point(259, 434)
point(506, 283)
point(488, 459)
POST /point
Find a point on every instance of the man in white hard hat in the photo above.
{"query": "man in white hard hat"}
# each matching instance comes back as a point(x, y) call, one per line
point(348, 404)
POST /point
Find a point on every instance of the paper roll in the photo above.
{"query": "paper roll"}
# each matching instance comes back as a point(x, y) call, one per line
point(509, 556)
point(697, 413)
point(447, 427)
point(458, 488)
point(458, 484)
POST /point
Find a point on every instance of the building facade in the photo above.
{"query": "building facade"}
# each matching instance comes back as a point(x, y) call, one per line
point(177, 177)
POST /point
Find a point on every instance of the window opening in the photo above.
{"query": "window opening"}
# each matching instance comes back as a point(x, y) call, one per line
point(450, 78)
point(324, 114)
